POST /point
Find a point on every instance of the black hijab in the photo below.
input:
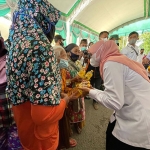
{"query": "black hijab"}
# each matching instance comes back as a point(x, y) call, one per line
point(70, 47)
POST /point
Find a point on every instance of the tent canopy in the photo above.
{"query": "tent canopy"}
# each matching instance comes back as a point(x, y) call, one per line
point(109, 15)
point(94, 16)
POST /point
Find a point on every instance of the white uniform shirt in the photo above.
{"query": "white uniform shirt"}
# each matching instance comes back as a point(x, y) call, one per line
point(128, 93)
point(130, 53)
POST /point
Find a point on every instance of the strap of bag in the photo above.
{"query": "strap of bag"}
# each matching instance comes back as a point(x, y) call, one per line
point(134, 50)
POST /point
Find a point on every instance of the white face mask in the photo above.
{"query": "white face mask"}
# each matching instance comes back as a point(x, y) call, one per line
point(132, 41)
point(104, 39)
point(95, 62)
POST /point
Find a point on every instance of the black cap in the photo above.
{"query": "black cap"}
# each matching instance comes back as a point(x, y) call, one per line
point(115, 37)
point(58, 37)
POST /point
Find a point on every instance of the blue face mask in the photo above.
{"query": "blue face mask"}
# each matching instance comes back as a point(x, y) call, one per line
point(63, 64)
point(83, 48)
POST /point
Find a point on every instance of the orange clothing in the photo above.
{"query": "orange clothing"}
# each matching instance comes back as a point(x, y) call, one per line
point(64, 87)
point(38, 125)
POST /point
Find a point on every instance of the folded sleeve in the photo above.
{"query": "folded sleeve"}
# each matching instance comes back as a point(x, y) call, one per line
point(113, 95)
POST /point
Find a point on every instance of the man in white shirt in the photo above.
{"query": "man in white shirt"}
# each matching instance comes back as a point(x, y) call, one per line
point(83, 47)
point(104, 35)
point(140, 56)
point(131, 50)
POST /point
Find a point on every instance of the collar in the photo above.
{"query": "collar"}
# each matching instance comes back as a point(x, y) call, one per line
point(131, 46)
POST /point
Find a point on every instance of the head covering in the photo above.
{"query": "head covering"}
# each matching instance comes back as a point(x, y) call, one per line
point(114, 37)
point(108, 51)
point(33, 72)
point(58, 37)
point(70, 47)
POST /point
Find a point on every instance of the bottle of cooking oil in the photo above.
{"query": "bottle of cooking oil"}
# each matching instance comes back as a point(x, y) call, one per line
point(148, 68)
point(77, 92)
point(84, 84)
point(81, 73)
point(88, 75)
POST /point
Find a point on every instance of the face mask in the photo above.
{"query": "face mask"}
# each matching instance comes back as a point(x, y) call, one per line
point(74, 57)
point(63, 63)
point(94, 61)
point(104, 39)
point(117, 42)
point(132, 41)
point(83, 48)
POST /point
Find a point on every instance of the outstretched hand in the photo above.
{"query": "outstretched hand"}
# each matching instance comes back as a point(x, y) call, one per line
point(69, 98)
point(65, 97)
point(85, 90)
point(77, 79)
point(85, 87)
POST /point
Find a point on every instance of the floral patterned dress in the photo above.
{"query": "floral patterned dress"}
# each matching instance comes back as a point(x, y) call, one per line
point(32, 70)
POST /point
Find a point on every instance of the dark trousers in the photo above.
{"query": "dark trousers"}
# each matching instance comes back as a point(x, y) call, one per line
point(113, 143)
point(97, 83)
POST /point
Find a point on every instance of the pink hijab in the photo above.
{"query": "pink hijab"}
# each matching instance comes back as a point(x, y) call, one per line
point(108, 50)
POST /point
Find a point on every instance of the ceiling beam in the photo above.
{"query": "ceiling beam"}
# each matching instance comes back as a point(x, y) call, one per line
point(72, 9)
point(82, 5)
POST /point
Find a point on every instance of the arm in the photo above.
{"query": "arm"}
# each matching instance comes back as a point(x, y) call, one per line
point(113, 96)
point(124, 51)
point(63, 80)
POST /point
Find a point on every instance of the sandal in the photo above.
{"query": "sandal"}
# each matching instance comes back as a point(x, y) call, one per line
point(72, 142)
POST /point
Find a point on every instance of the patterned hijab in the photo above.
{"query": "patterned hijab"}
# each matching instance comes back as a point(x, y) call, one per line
point(32, 70)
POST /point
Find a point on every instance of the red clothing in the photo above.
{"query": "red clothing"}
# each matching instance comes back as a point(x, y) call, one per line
point(38, 125)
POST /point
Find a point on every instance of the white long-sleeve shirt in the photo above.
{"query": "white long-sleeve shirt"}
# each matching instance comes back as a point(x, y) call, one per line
point(130, 53)
point(128, 93)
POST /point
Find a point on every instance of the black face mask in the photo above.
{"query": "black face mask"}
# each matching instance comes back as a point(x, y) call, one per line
point(51, 34)
point(146, 66)
point(74, 57)
point(62, 44)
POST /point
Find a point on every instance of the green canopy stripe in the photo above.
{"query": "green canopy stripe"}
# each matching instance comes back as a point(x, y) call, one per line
point(72, 9)
point(146, 8)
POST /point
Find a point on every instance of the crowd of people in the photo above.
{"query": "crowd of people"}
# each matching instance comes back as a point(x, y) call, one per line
point(39, 104)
